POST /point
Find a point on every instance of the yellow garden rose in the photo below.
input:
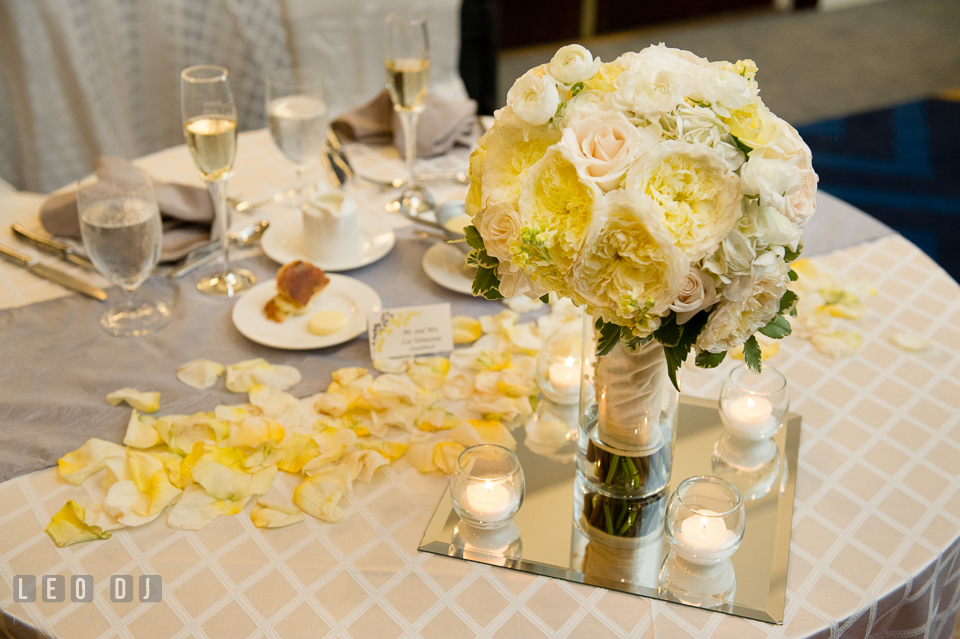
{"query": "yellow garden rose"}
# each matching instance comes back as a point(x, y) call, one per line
point(698, 193)
point(603, 79)
point(753, 125)
point(629, 265)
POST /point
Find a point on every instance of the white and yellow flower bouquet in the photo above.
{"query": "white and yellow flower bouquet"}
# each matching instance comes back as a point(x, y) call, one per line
point(656, 191)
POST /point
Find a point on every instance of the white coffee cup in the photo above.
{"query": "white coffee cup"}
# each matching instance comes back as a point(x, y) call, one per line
point(330, 226)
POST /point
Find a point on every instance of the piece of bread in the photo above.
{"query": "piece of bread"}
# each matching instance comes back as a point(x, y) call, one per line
point(297, 283)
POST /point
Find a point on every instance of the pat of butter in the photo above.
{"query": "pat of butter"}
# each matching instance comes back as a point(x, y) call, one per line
point(457, 223)
point(327, 322)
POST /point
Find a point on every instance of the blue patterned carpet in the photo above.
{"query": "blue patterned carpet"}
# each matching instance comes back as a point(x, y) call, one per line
point(900, 165)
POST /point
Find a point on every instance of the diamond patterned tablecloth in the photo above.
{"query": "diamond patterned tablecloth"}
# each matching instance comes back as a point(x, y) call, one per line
point(874, 549)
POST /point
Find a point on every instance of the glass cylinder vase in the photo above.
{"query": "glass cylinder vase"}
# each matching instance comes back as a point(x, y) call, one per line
point(628, 415)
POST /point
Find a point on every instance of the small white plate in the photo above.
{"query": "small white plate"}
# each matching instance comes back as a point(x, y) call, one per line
point(283, 242)
point(351, 297)
point(445, 265)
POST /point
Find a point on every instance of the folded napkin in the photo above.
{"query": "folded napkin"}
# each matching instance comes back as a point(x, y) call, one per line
point(442, 124)
point(187, 212)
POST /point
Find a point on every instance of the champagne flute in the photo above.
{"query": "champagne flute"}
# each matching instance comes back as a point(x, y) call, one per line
point(408, 76)
point(121, 230)
point(297, 118)
point(210, 127)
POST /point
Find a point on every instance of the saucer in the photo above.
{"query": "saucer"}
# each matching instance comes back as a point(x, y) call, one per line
point(283, 242)
point(350, 296)
point(444, 264)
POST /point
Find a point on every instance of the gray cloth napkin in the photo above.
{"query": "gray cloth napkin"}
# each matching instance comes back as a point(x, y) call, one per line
point(442, 124)
point(187, 212)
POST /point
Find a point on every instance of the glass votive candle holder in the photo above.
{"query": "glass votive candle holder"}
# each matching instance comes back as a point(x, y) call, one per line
point(558, 368)
point(486, 486)
point(705, 520)
point(752, 406)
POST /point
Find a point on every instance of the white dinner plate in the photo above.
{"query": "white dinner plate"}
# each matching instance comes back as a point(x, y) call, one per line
point(445, 265)
point(283, 242)
point(350, 296)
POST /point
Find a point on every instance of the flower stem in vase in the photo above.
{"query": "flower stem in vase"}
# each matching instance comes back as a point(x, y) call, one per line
point(624, 517)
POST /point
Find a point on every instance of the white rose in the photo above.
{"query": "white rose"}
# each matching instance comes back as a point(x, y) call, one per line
point(774, 229)
point(697, 293)
point(534, 97)
point(732, 322)
point(602, 147)
point(647, 95)
point(499, 225)
point(573, 63)
point(800, 205)
point(699, 125)
point(733, 257)
point(583, 104)
point(723, 89)
point(770, 180)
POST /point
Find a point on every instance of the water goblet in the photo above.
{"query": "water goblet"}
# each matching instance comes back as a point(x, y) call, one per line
point(121, 230)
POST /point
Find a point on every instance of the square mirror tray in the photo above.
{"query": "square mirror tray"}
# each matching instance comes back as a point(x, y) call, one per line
point(545, 539)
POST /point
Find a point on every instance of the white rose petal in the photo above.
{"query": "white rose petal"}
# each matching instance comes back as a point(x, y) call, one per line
point(200, 373)
point(146, 402)
point(912, 342)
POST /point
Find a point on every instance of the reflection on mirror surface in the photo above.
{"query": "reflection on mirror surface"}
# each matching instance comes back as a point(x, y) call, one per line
point(544, 538)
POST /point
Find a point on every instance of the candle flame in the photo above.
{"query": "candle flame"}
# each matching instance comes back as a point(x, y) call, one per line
point(703, 522)
point(751, 403)
point(488, 486)
point(568, 362)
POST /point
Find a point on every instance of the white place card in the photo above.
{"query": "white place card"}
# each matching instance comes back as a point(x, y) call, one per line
point(410, 331)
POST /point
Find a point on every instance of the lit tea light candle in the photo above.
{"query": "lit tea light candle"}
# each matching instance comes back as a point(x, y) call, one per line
point(490, 501)
point(565, 376)
point(705, 535)
point(750, 417)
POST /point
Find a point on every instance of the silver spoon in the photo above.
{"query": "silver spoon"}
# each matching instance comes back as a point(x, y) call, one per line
point(244, 238)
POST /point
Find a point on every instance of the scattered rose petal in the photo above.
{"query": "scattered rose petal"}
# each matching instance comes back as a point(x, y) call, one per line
point(67, 527)
point(195, 510)
point(912, 342)
point(837, 344)
point(466, 330)
point(200, 373)
point(269, 515)
point(445, 456)
point(90, 458)
point(363, 463)
point(140, 431)
point(320, 494)
point(395, 365)
point(420, 456)
point(146, 402)
point(523, 304)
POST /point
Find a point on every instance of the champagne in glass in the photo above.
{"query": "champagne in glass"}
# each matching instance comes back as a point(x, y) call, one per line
point(121, 230)
point(407, 81)
point(210, 128)
point(297, 118)
point(408, 76)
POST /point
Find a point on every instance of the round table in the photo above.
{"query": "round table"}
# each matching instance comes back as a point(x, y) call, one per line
point(876, 528)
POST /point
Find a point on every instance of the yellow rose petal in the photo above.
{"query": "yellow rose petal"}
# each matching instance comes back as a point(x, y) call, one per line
point(420, 456)
point(320, 494)
point(838, 344)
point(140, 431)
point(90, 458)
point(146, 402)
point(67, 527)
point(445, 456)
point(269, 515)
point(466, 330)
point(200, 373)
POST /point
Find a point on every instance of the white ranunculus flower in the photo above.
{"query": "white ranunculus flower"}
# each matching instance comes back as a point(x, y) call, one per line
point(602, 146)
point(723, 89)
point(698, 193)
point(584, 104)
point(629, 261)
point(499, 225)
point(659, 56)
point(534, 97)
point(649, 95)
point(699, 125)
point(770, 180)
point(696, 293)
point(733, 257)
point(774, 229)
point(573, 63)
point(732, 322)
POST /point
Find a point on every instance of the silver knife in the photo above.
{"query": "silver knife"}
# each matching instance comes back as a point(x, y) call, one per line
point(52, 274)
point(50, 245)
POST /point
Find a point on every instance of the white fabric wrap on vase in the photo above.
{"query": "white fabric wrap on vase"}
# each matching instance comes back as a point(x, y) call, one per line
point(630, 398)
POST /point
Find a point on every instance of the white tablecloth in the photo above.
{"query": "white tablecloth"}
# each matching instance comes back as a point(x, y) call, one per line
point(875, 534)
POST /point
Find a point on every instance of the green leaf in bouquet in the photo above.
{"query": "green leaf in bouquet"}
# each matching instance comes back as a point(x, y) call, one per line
point(788, 303)
point(751, 354)
point(676, 356)
point(792, 274)
point(777, 328)
point(577, 88)
point(669, 332)
point(487, 284)
point(706, 359)
point(741, 145)
point(608, 338)
point(789, 255)
point(480, 259)
point(545, 298)
point(474, 239)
